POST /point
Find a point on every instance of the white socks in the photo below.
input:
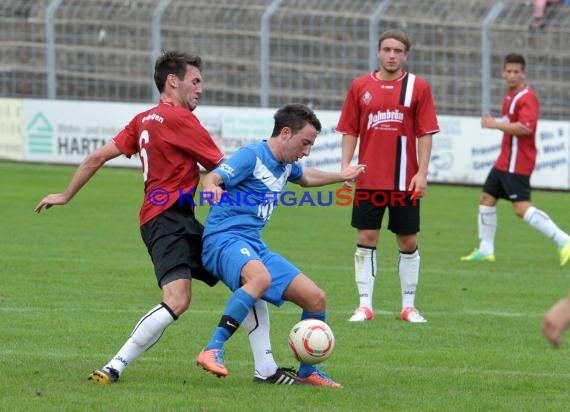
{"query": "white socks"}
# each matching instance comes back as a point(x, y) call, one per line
point(151, 326)
point(533, 216)
point(409, 270)
point(146, 333)
point(487, 223)
point(542, 222)
point(365, 273)
point(256, 323)
point(365, 270)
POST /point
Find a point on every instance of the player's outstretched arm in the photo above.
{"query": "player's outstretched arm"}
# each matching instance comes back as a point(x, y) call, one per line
point(348, 148)
point(84, 172)
point(556, 320)
point(515, 128)
point(314, 177)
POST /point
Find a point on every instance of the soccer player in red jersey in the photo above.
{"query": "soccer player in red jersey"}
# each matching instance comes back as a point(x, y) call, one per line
point(388, 112)
point(510, 177)
point(170, 142)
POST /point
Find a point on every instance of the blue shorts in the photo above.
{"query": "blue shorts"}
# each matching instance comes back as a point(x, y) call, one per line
point(225, 254)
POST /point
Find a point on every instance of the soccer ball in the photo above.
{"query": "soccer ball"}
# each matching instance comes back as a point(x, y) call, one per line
point(311, 341)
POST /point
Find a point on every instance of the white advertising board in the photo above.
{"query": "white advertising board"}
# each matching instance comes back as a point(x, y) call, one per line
point(552, 168)
point(463, 152)
point(10, 129)
point(67, 131)
point(234, 127)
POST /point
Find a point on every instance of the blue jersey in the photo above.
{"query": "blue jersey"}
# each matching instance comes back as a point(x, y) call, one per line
point(253, 179)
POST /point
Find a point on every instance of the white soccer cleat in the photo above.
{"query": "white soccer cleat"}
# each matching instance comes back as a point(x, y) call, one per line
point(411, 314)
point(362, 314)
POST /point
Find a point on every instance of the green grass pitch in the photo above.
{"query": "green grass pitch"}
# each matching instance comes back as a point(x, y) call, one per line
point(77, 278)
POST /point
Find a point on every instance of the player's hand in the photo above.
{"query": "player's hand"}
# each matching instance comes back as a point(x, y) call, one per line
point(555, 322)
point(488, 121)
point(350, 173)
point(418, 185)
point(214, 193)
point(51, 200)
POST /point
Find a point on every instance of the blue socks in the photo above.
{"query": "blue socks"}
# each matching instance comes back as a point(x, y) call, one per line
point(237, 308)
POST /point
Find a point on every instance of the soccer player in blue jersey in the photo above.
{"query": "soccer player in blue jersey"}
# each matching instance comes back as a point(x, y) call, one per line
point(245, 191)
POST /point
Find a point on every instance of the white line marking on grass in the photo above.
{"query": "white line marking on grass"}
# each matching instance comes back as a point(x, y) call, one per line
point(500, 314)
point(51, 354)
point(431, 371)
point(288, 311)
point(35, 309)
point(479, 372)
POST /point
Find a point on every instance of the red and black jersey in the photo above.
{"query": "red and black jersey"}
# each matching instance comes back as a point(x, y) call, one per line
point(170, 142)
point(388, 116)
point(518, 153)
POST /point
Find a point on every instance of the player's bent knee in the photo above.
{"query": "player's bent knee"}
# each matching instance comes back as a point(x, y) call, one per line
point(520, 208)
point(177, 300)
point(178, 306)
point(264, 282)
point(256, 283)
point(177, 289)
point(317, 301)
point(182, 306)
point(486, 199)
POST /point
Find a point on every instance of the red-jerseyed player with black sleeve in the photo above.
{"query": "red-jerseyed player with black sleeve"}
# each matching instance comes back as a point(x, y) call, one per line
point(389, 112)
point(510, 177)
point(170, 142)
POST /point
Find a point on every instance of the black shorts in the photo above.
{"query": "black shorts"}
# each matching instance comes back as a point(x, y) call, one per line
point(174, 238)
point(509, 186)
point(368, 209)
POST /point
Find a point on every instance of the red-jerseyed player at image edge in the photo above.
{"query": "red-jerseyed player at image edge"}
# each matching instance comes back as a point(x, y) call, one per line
point(510, 177)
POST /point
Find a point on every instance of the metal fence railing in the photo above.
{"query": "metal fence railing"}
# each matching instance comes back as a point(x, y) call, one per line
point(269, 52)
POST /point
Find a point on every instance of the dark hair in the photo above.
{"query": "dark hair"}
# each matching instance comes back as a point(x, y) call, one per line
point(295, 116)
point(396, 35)
point(514, 58)
point(173, 62)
